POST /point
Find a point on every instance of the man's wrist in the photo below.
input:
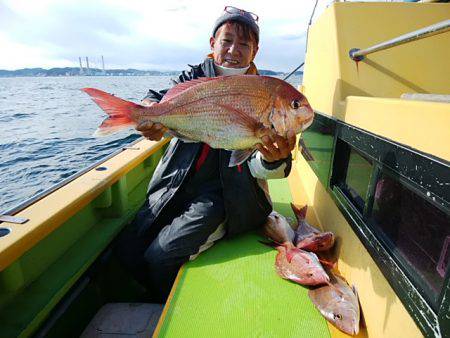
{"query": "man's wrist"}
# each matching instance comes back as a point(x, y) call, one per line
point(272, 165)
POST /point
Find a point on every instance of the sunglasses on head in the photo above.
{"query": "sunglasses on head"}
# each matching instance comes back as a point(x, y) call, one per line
point(234, 10)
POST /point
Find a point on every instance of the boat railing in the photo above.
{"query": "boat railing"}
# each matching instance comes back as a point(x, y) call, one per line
point(7, 215)
point(441, 27)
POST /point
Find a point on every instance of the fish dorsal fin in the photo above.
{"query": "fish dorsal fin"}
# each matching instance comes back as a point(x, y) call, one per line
point(181, 87)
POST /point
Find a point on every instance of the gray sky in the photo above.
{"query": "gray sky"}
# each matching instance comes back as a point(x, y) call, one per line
point(149, 34)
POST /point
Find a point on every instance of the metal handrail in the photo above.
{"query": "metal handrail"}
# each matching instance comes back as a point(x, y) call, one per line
point(357, 54)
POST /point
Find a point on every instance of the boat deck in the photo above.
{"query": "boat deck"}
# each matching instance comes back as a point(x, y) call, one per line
point(232, 290)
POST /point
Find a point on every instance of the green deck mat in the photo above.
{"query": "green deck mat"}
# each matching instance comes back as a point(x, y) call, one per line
point(232, 290)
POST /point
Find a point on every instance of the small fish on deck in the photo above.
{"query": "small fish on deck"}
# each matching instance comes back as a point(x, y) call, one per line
point(338, 303)
point(297, 265)
point(227, 112)
point(308, 237)
point(277, 228)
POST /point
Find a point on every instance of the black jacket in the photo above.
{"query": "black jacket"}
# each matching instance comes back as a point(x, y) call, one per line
point(246, 204)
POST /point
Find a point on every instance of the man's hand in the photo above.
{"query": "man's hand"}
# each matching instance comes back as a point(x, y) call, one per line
point(276, 148)
point(152, 131)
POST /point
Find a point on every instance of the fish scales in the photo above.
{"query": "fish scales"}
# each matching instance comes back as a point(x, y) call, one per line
point(210, 126)
point(299, 266)
point(207, 108)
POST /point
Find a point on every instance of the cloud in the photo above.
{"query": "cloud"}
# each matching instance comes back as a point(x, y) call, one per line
point(177, 9)
point(290, 37)
point(70, 27)
point(7, 16)
point(132, 33)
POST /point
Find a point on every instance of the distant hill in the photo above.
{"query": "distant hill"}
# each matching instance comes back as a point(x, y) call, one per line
point(72, 71)
point(273, 73)
point(75, 71)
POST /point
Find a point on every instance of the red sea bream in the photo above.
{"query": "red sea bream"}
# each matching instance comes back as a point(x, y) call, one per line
point(229, 112)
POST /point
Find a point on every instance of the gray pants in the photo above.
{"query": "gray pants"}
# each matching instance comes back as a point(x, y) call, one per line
point(155, 256)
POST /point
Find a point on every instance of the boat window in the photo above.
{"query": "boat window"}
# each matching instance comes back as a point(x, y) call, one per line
point(316, 144)
point(357, 179)
point(414, 229)
point(397, 201)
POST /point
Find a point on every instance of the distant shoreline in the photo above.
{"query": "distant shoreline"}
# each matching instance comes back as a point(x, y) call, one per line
point(75, 71)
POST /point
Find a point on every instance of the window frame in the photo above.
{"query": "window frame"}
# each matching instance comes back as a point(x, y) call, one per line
point(418, 172)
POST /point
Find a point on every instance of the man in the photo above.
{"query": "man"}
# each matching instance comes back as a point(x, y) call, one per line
point(194, 198)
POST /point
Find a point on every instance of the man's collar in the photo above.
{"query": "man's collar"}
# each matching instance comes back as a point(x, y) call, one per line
point(251, 71)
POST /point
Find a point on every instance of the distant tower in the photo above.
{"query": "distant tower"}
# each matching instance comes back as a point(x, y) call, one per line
point(81, 66)
point(103, 66)
point(88, 71)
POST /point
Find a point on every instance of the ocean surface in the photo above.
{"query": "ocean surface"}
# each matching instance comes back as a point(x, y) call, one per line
point(47, 124)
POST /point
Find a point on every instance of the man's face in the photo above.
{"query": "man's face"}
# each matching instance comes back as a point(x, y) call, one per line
point(231, 49)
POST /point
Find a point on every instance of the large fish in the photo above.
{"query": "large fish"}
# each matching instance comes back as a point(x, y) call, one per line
point(277, 228)
point(338, 303)
point(297, 265)
point(307, 237)
point(228, 112)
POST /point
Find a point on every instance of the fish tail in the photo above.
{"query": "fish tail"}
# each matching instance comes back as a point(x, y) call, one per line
point(300, 212)
point(330, 265)
point(119, 111)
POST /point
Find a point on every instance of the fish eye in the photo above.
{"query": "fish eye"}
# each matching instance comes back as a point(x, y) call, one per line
point(337, 316)
point(295, 104)
point(310, 274)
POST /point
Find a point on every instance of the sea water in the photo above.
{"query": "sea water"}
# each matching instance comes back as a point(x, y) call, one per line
point(47, 124)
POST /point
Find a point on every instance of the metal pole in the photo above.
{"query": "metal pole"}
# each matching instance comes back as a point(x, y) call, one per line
point(103, 65)
point(438, 28)
point(87, 66)
point(81, 66)
point(289, 75)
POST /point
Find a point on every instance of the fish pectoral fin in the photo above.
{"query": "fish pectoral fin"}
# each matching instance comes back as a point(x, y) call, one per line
point(239, 156)
point(248, 122)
